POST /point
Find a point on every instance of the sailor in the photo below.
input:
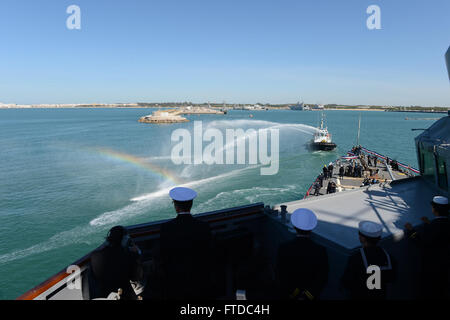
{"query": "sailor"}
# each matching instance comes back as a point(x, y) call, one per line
point(355, 170)
point(434, 239)
point(302, 264)
point(347, 171)
point(356, 275)
point(350, 170)
point(329, 186)
point(325, 171)
point(317, 188)
point(113, 266)
point(185, 250)
point(333, 187)
point(321, 177)
point(330, 170)
point(341, 172)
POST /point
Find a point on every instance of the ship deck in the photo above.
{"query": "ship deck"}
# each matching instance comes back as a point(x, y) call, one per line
point(385, 174)
point(389, 204)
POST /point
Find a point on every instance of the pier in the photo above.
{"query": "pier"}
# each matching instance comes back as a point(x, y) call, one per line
point(198, 110)
point(166, 116)
point(174, 115)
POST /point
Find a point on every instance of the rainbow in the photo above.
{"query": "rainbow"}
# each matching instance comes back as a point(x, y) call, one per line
point(138, 162)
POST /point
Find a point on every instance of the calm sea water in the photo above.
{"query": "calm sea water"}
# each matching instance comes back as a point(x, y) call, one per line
point(67, 176)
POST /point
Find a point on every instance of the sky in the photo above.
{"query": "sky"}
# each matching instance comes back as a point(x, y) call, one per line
point(283, 51)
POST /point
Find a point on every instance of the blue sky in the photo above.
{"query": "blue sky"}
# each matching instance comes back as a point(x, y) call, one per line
point(235, 51)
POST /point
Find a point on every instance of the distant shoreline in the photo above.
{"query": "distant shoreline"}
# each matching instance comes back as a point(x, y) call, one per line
point(350, 109)
point(5, 107)
point(103, 107)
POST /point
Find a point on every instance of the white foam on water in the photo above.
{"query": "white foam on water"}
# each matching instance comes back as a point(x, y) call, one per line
point(139, 206)
point(252, 195)
point(62, 239)
point(260, 193)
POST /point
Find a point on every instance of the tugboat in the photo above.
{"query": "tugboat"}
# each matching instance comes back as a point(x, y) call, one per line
point(322, 138)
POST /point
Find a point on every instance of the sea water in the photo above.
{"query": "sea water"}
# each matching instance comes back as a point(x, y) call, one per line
point(68, 175)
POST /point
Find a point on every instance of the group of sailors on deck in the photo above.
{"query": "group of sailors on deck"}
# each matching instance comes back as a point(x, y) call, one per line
point(353, 169)
point(302, 265)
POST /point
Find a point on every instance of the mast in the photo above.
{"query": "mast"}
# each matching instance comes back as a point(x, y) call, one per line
point(359, 127)
point(321, 122)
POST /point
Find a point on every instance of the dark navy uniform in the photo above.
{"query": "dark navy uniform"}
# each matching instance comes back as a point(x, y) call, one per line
point(325, 172)
point(302, 267)
point(341, 172)
point(321, 177)
point(330, 171)
point(186, 255)
point(355, 274)
point(434, 239)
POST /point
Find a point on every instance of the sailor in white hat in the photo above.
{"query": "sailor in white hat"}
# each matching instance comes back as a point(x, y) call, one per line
point(182, 199)
point(356, 274)
point(182, 194)
point(304, 220)
point(185, 244)
point(434, 240)
point(439, 206)
point(302, 264)
point(440, 200)
point(369, 229)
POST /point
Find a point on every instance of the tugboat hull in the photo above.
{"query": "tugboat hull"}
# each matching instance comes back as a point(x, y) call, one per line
point(325, 146)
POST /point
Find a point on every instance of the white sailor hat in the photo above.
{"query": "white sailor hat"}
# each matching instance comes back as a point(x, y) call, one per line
point(370, 229)
point(182, 194)
point(304, 219)
point(440, 200)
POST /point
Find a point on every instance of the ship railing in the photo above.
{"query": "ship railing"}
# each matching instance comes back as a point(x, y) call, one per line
point(405, 166)
point(309, 190)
